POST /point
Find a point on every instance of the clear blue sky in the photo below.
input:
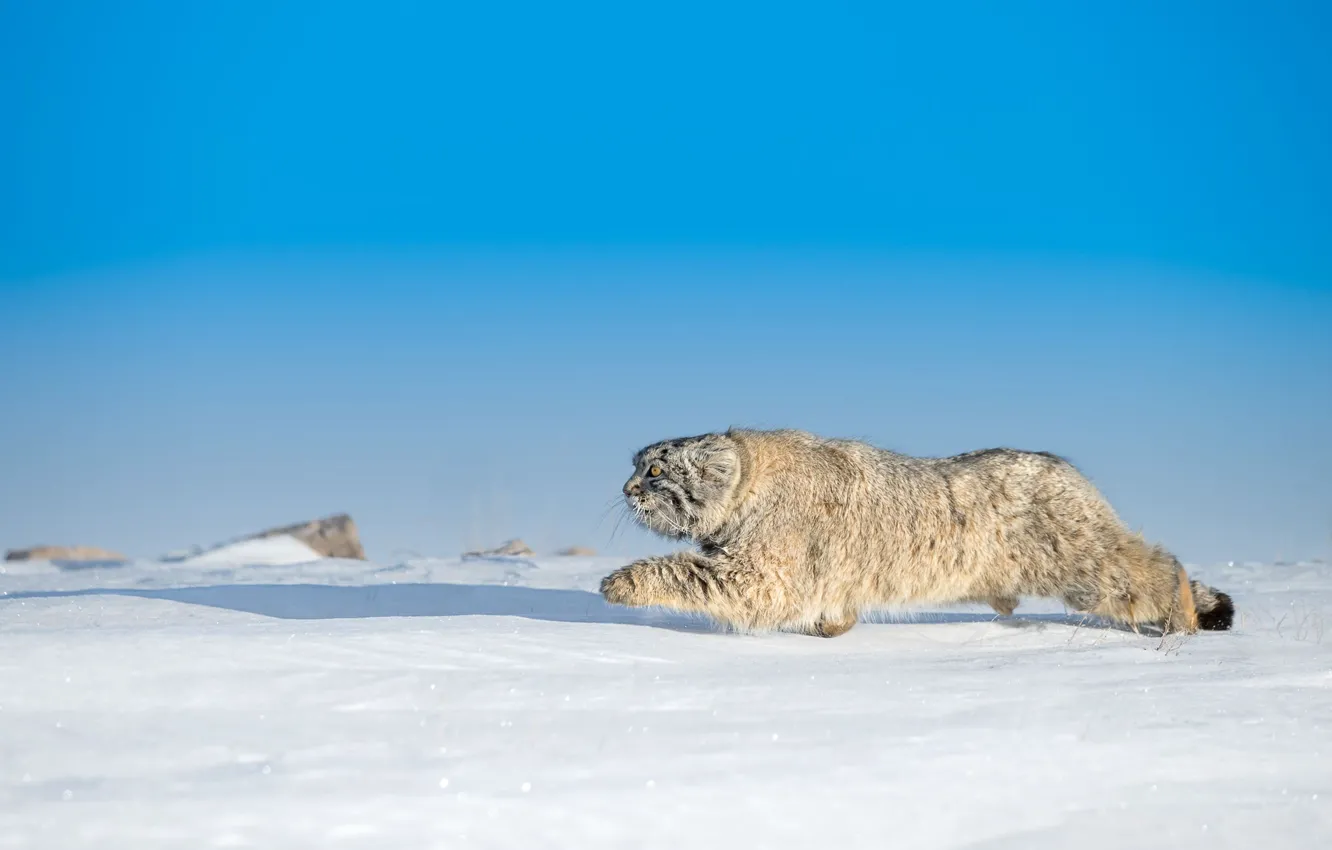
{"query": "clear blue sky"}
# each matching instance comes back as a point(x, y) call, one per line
point(446, 265)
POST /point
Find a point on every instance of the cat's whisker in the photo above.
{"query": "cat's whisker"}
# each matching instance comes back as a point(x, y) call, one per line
point(606, 511)
point(619, 520)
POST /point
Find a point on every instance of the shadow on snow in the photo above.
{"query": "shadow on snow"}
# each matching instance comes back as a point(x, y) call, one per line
point(320, 602)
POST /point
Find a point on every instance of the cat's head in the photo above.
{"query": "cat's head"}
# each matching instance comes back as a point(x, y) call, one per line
point(682, 488)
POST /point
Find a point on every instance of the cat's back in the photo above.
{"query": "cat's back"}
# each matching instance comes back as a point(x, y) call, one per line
point(1006, 479)
point(1014, 464)
point(804, 453)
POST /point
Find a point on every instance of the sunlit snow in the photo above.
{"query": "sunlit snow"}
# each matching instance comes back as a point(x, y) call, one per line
point(501, 703)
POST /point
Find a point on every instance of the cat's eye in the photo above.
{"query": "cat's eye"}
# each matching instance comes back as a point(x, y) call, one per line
point(654, 471)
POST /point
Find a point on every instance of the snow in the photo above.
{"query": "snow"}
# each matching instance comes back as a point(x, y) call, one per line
point(500, 703)
point(278, 550)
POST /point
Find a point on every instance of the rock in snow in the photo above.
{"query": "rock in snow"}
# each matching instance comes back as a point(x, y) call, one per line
point(332, 536)
point(63, 553)
point(577, 552)
point(514, 548)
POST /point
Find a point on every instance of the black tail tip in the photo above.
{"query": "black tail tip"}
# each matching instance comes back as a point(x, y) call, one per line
point(1220, 617)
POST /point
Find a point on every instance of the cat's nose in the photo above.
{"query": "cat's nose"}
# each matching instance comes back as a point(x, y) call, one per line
point(631, 488)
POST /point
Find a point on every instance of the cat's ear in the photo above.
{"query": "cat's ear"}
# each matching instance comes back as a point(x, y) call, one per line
point(719, 463)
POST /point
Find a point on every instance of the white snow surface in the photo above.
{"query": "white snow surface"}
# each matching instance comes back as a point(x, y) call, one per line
point(280, 550)
point(501, 703)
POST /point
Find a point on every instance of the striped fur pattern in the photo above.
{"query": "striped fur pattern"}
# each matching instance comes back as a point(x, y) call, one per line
point(801, 533)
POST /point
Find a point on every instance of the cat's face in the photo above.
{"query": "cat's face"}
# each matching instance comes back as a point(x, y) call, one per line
point(679, 487)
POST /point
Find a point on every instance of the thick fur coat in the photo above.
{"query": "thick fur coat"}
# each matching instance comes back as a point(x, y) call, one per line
point(802, 533)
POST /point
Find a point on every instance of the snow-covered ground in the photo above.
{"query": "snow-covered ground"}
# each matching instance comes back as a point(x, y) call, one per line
point(446, 703)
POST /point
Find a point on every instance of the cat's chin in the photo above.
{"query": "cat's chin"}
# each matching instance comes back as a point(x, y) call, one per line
point(662, 526)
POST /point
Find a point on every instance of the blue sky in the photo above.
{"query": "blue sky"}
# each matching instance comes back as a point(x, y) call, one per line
point(446, 265)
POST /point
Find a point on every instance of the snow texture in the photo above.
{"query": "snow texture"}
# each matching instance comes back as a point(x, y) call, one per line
point(276, 551)
point(501, 703)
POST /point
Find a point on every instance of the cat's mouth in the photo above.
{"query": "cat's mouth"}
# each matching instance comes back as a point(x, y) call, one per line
point(639, 508)
point(650, 515)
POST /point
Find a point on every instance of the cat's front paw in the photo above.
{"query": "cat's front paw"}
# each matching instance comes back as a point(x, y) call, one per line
point(619, 588)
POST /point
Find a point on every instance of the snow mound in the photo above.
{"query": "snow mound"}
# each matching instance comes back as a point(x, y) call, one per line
point(277, 551)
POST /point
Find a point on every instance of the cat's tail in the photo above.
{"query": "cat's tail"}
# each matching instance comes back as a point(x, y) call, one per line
point(1141, 584)
point(1216, 610)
